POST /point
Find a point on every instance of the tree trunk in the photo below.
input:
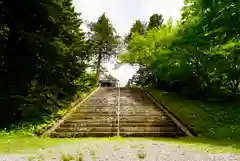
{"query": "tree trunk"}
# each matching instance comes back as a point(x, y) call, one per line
point(98, 67)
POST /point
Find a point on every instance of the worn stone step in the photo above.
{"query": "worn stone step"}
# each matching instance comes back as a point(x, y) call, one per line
point(147, 124)
point(111, 134)
point(91, 117)
point(152, 134)
point(141, 113)
point(97, 116)
point(114, 124)
point(122, 112)
point(106, 104)
point(135, 112)
point(81, 134)
point(157, 117)
point(114, 129)
point(81, 121)
point(100, 118)
point(86, 129)
point(110, 110)
point(94, 114)
point(141, 108)
point(101, 96)
point(134, 117)
point(150, 129)
point(96, 110)
point(122, 118)
point(86, 106)
point(137, 108)
point(88, 124)
point(121, 121)
point(137, 103)
point(101, 101)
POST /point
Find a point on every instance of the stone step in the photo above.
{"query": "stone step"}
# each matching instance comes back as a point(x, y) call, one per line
point(81, 134)
point(98, 106)
point(158, 113)
point(148, 124)
point(152, 134)
point(86, 129)
point(122, 108)
point(93, 117)
point(151, 116)
point(132, 121)
point(140, 106)
point(101, 101)
point(127, 118)
point(105, 110)
point(81, 121)
point(122, 129)
point(136, 110)
point(109, 118)
point(111, 134)
point(101, 104)
point(101, 124)
point(150, 129)
point(96, 110)
point(94, 114)
point(134, 117)
point(121, 120)
point(88, 124)
point(101, 96)
point(136, 103)
point(114, 114)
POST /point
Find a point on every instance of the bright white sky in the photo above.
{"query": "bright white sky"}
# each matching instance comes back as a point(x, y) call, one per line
point(122, 14)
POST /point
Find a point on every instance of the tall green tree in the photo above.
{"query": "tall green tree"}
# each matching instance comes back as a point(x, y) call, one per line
point(105, 41)
point(155, 20)
point(137, 27)
point(42, 53)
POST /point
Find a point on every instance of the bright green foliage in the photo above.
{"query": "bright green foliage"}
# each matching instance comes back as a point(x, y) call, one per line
point(200, 56)
point(138, 27)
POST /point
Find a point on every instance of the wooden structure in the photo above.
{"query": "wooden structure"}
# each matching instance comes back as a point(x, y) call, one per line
point(108, 83)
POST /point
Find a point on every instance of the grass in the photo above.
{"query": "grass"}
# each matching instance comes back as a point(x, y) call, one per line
point(24, 144)
point(214, 123)
point(66, 157)
point(116, 148)
point(20, 144)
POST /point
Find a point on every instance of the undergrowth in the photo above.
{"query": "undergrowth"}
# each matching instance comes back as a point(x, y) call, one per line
point(216, 121)
point(38, 125)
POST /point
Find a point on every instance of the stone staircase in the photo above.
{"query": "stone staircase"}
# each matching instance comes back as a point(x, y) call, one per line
point(139, 116)
point(97, 117)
